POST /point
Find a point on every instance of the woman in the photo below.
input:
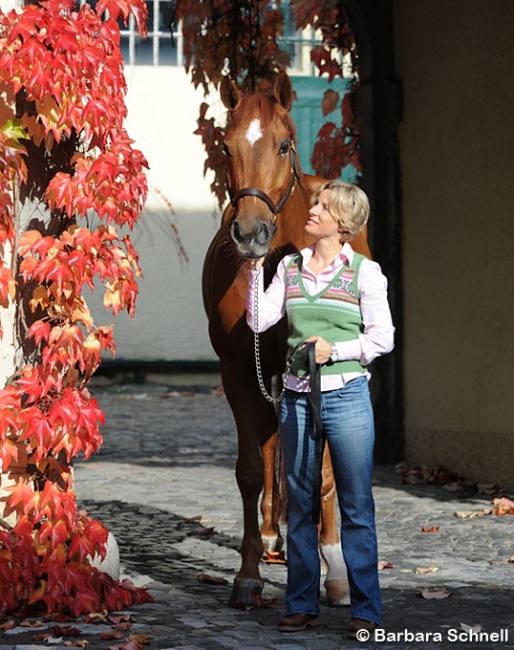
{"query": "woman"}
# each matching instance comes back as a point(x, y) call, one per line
point(336, 298)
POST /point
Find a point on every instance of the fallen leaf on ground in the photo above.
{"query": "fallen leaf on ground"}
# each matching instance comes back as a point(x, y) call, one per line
point(142, 639)
point(119, 618)
point(439, 594)
point(124, 626)
point(503, 506)
point(80, 643)
point(136, 643)
point(211, 580)
point(424, 572)
point(96, 617)
point(8, 625)
point(58, 630)
point(469, 514)
point(429, 529)
point(32, 624)
point(111, 636)
point(471, 628)
point(48, 638)
point(511, 560)
point(44, 636)
point(131, 645)
point(385, 565)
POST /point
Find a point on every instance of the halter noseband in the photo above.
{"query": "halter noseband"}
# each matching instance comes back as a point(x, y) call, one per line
point(259, 194)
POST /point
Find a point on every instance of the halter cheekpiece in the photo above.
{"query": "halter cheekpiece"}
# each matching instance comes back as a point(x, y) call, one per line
point(259, 194)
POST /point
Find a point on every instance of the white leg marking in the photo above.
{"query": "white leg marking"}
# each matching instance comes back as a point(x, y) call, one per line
point(336, 568)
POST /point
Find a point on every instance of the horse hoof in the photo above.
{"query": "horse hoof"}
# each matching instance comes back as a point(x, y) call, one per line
point(338, 593)
point(246, 593)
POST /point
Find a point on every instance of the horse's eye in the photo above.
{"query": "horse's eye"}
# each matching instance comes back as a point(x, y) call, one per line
point(283, 150)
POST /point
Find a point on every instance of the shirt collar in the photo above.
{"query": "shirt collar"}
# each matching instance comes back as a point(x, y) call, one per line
point(345, 254)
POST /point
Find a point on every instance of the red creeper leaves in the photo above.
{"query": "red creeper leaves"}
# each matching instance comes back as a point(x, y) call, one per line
point(338, 147)
point(65, 66)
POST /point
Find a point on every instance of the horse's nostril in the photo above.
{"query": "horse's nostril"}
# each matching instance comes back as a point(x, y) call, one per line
point(236, 232)
point(262, 234)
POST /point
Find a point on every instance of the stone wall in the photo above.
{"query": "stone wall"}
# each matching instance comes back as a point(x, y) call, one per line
point(455, 62)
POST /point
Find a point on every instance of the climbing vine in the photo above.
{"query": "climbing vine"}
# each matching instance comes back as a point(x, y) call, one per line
point(242, 38)
point(63, 147)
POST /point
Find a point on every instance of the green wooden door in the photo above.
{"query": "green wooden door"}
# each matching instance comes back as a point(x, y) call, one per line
point(308, 116)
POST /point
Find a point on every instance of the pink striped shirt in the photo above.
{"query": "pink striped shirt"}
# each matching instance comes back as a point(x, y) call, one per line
point(378, 335)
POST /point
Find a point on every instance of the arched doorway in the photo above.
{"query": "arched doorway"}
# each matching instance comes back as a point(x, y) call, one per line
point(379, 109)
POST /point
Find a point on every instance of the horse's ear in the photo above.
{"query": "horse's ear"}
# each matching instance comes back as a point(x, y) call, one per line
point(229, 93)
point(283, 90)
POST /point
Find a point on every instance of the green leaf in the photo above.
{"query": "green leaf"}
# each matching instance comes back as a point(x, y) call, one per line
point(13, 130)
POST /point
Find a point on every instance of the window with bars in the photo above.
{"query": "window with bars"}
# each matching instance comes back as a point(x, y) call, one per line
point(163, 45)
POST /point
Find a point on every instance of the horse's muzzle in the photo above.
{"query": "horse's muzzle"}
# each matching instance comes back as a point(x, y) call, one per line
point(253, 243)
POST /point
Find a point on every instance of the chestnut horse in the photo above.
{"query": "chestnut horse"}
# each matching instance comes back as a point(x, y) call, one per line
point(266, 217)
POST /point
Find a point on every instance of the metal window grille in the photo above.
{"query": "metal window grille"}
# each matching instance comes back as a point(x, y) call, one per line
point(164, 43)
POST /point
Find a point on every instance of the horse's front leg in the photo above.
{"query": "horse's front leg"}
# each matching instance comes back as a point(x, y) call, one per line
point(336, 580)
point(255, 426)
point(248, 584)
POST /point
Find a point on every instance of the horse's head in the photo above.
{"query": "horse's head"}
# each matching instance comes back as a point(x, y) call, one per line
point(262, 167)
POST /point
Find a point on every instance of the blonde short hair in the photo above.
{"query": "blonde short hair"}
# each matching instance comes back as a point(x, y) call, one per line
point(348, 204)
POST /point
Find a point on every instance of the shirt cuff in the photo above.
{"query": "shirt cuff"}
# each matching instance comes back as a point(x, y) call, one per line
point(349, 350)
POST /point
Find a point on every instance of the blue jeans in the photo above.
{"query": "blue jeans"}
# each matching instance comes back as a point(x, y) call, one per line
point(349, 432)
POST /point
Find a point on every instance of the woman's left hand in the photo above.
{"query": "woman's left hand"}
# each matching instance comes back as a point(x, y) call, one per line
point(323, 348)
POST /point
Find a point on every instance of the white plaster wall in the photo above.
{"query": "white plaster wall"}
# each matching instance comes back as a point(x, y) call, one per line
point(170, 323)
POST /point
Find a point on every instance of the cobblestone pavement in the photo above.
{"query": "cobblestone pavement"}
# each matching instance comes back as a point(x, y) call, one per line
point(165, 476)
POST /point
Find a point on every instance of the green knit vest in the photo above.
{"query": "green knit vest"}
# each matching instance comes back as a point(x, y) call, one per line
point(334, 313)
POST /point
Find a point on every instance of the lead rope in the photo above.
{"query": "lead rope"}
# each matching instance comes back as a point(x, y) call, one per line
point(257, 347)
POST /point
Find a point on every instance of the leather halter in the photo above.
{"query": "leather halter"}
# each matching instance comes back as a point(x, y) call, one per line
point(259, 194)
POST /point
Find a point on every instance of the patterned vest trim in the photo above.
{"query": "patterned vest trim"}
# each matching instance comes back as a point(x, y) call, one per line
point(333, 313)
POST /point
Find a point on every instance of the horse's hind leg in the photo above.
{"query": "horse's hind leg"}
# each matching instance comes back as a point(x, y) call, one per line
point(271, 502)
point(336, 581)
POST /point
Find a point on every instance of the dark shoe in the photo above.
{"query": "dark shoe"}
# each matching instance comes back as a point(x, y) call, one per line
point(360, 630)
point(297, 622)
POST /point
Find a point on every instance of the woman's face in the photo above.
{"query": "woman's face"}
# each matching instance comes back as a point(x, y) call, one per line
point(321, 222)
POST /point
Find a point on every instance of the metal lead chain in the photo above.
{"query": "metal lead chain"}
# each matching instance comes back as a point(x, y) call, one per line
point(256, 344)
